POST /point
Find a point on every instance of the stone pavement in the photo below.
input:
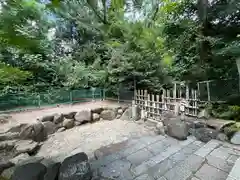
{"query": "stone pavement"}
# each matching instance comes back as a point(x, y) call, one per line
point(164, 158)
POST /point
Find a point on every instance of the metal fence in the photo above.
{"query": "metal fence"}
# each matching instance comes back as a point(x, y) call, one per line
point(218, 90)
point(21, 101)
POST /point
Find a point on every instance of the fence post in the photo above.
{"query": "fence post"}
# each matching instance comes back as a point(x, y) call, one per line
point(71, 96)
point(39, 101)
point(175, 99)
point(208, 90)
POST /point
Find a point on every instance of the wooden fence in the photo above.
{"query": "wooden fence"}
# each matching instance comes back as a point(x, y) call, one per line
point(170, 100)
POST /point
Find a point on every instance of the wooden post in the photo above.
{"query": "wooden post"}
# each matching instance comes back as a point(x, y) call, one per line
point(157, 106)
point(149, 105)
point(208, 90)
point(153, 105)
point(175, 99)
point(187, 98)
point(164, 105)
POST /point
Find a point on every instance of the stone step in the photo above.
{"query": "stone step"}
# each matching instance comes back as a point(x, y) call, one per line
point(235, 173)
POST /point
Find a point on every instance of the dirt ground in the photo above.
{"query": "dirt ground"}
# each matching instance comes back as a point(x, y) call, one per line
point(31, 116)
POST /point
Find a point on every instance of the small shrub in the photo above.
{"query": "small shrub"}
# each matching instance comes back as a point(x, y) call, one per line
point(231, 130)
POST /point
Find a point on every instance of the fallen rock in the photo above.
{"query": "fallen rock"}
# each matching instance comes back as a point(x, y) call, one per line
point(7, 145)
point(47, 118)
point(219, 124)
point(34, 132)
point(7, 173)
point(61, 129)
point(178, 130)
point(31, 171)
point(68, 123)
point(49, 127)
point(160, 128)
point(167, 121)
point(5, 118)
point(118, 116)
point(58, 118)
point(127, 115)
point(9, 136)
point(26, 146)
point(222, 137)
point(69, 115)
point(203, 114)
point(19, 158)
point(76, 123)
point(52, 172)
point(95, 117)
point(108, 114)
point(120, 111)
point(97, 110)
point(75, 167)
point(5, 165)
point(136, 113)
point(195, 124)
point(236, 138)
point(83, 116)
point(205, 134)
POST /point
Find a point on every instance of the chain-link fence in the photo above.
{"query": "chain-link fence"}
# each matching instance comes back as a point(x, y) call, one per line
point(120, 95)
point(19, 101)
point(218, 90)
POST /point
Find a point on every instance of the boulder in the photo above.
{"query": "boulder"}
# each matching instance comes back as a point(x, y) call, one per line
point(68, 123)
point(5, 165)
point(222, 137)
point(118, 116)
point(120, 111)
point(97, 110)
point(47, 118)
point(160, 128)
point(75, 167)
point(20, 158)
point(77, 123)
point(136, 113)
point(69, 115)
point(17, 128)
point(49, 127)
point(26, 146)
point(108, 114)
point(127, 115)
point(178, 130)
point(5, 118)
point(31, 171)
point(61, 129)
point(205, 134)
point(219, 124)
point(7, 145)
point(52, 171)
point(7, 173)
point(35, 132)
point(203, 114)
point(9, 136)
point(58, 118)
point(95, 117)
point(83, 116)
point(236, 138)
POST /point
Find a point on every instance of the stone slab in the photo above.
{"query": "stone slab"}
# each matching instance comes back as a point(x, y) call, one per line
point(144, 177)
point(235, 173)
point(207, 148)
point(207, 172)
point(157, 147)
point(219, 163)
point(219, 124)
point(220, 153)
point(139, 156)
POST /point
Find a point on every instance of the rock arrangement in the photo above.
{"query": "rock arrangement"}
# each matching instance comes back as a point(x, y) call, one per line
point(75, 167)
point(203, 129)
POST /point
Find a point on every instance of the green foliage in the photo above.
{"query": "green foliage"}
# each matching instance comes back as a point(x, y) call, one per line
point(231, 130)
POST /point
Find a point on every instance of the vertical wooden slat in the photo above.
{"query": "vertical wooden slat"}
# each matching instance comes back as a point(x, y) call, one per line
point(149, 105)
point(153, 105)
point(157, 105)
point(208, 90)
point(187, 98)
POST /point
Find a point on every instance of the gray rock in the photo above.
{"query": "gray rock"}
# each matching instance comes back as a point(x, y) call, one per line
point(75, 167)
point(222, 137)
point(31, 171)
point(34, 131)
point(97, 110)
point(136, 113)
point(17, 128)
point(77, 123)
point(236, 138)
point(52, 172)
point(178, 130)
point(5, 165)
point(7, 145)
point(127, 115)
point(83, 116)
point(160, 128)
point(68, 123)
point(7, 173)
point(203, 114)
point(20, 158)
point(205, 134)
point(120, 111)
point(108, 114)
point(69, 115)
point(9, 136)
point(58, 118)
point(49, 127)
point(95, 117)
point(47, 118)
point(26, 146)
point(61, 129)
point(118, 116)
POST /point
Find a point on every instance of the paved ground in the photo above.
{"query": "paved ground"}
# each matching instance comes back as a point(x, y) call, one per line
point(89, 137)
point(164, 158)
